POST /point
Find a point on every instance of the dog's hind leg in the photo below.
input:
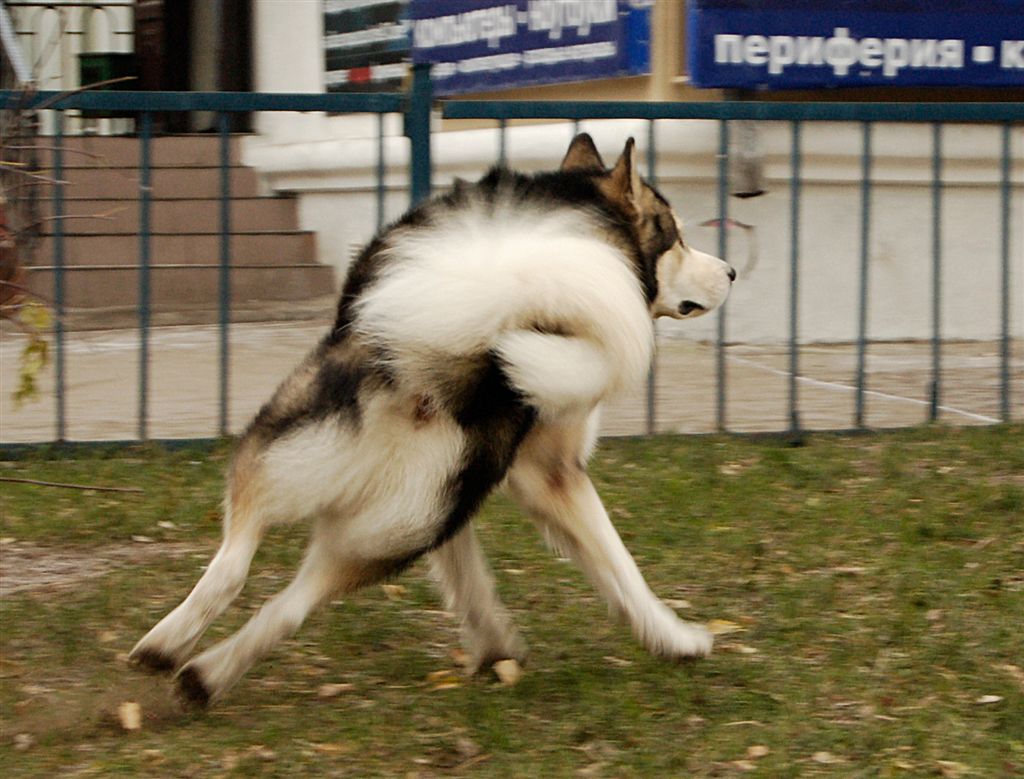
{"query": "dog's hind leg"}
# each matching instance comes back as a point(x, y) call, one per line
point(556, 490)
point(468, 587)
point(212, 673)
point(167, 645)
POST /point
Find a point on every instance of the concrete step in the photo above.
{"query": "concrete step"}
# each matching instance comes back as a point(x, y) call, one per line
point(181, 183)
point(182, 290)
point(260, 248)
point(123, 151)
point(120, 215)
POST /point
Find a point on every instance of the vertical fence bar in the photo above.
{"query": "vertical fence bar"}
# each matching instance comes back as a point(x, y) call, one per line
point(58, 271)
point(503, 142)
point(417, 128)
point(1004, 303)
point(224, 271)
point(794, 277)
point(936, 387)
point(723, 207)
point(865, 254)
point(145, 193)
point(381, 169)
point(652, 373)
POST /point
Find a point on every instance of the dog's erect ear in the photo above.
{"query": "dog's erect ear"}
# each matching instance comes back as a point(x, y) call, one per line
point(583, 155)
point(625, 176)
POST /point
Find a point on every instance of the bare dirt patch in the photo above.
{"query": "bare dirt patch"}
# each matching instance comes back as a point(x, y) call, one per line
point(26, 566)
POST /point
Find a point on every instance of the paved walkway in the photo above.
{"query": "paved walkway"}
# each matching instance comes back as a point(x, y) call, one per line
point(102, 382)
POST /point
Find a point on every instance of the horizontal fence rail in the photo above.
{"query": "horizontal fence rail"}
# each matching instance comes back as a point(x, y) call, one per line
point(416, 109)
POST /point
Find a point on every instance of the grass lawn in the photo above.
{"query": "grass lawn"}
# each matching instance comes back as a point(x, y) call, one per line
point(868, 592)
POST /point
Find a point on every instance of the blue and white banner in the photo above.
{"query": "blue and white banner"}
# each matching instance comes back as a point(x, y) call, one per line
point(477, 45)
point(792, 44)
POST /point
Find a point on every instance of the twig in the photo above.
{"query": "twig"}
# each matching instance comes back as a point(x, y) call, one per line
point(25, 290)
point(38, 483)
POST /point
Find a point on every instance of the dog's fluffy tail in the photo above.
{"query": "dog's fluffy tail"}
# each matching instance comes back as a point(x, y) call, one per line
point(556, 373)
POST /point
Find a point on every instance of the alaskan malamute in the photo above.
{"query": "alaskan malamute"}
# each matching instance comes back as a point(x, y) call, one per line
point(475, 340)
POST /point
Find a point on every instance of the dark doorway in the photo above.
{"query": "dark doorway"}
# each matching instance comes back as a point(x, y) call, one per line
point(173, 41)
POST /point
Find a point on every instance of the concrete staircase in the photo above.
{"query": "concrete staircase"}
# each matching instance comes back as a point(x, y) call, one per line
point(101, 228)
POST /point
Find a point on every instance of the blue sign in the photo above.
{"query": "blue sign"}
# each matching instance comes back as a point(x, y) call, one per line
point(477, 45)
point(794, 44)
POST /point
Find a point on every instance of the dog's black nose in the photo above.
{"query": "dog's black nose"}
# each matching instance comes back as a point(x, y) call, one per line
point(732, 274)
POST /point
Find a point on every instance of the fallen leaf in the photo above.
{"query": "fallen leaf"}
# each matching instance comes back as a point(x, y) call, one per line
point(621, 663)
point(744, 765)
point(467, 747)
point(952, 769)
point(722, 627)
point(142, 539)
point(825, 758)
point(23, 741)
point(445, 679)
point(756, 751)
point(332, 749)
point(1014, 671)
point(676, 603)
point(333, 690)
point(460, 657)
point(508, 671)
point(989, 699)
point(129, 714)
point(261, 752)
point(393, 591)
point(741, 649)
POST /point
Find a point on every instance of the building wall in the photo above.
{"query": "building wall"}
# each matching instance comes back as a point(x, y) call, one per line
point(331, 163)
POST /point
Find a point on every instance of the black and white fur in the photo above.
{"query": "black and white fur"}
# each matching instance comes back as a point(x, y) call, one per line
point(475, 340)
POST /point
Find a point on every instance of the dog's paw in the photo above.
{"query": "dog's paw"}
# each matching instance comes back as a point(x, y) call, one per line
point(152, 660)
point(191, 688)
point(687, 642)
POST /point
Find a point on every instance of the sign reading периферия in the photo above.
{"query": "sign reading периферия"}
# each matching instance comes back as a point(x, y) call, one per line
point(792, 44)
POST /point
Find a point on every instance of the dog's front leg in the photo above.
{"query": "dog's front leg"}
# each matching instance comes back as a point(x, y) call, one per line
point(560, 496)
point(468, 587)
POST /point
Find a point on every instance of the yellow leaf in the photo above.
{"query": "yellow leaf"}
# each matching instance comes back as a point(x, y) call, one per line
point(721, 627)
point(508, 671)
point(393, 591)
point(129, 714)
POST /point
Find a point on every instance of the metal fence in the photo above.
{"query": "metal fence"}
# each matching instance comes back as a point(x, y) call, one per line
point(796, 114)
point(417, 107)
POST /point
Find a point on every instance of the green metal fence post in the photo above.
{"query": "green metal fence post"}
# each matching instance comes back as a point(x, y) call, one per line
point(936, 386)
point(652, 373)
point(723, 216)
point(380, 171)
point(224, 274)
point(1004, 302)
point(865, 267)
point(58, 272)
point(417, 129)
point(794, 278)
point(145, 194)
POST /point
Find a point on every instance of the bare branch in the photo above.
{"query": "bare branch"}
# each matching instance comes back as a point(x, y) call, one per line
point(36, 482)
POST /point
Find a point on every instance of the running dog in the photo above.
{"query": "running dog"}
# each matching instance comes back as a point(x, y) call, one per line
point(475, 340)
